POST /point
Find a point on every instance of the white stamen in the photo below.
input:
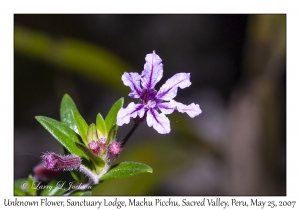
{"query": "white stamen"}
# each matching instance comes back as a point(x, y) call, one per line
point(150, 104)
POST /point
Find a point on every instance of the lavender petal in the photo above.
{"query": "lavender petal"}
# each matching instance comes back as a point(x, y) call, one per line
point(133, 81)
point(131, 111)
point(166, 108)
point(153, 71)
point(159, 121)
point(169, 90)
point(192, 110)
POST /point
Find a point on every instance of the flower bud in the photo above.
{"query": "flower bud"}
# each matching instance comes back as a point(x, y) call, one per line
point(114, 149)
point(95, 147)
point(102, 143)
point(43, 174)
point(58, 162)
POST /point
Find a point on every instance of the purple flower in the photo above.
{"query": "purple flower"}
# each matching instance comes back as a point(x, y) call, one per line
point(152, 101)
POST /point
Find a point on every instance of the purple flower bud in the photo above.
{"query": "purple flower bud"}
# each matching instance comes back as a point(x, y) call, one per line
point(95, 147)
point(44, 174)
point(102, 143)
point(114, 149)
point(58, 162)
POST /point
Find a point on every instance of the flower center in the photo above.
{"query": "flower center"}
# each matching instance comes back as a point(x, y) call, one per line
point(148, 98)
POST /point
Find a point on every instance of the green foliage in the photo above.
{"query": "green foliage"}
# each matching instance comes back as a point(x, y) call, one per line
point(81, 125)
point(75, 175)
point(126, 169)
point(66, 117)
point(67, 133)
point(53, 188)
point(66, 136)
point(101, 126)
point(112, 134)
point(18, 191)
point(165, 157)
point(98, 161)
point(92, 133)
point(111, 117)
point(81, 193)
point(31, 189)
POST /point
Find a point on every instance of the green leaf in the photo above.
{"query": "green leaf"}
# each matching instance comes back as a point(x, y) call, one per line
point(81, 193)
point(126, 169)
point(66, 117)
point(98, 161)
point(81, 125)
point(101, 126)
point(18, 184)
point(112, 134)
point(87, 193)
point(111, 117)
point(92, 133)
point(75, 175)
point(18, 192)
point(62, 133)
point(31, 189)
point(53, 188)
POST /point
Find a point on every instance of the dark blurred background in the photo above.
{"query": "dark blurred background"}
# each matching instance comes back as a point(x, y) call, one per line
point(237, 146)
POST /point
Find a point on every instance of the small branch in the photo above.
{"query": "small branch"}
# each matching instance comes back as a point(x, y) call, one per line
point(136, 124)
point(90, 174)
point(93, 177)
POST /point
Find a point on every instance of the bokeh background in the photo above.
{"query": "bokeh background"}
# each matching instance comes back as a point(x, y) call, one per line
point(237, 146)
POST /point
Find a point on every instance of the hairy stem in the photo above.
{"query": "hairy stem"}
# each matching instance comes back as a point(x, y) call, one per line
point(90, 174)
point(93, 177)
